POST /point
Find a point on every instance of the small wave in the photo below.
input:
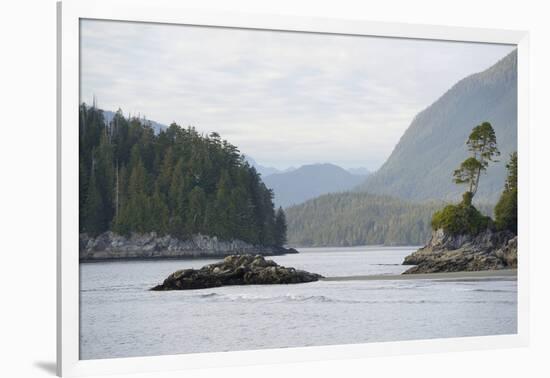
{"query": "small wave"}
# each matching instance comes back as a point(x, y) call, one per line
point(208, 295)
point(274, 298)
point(293, 298)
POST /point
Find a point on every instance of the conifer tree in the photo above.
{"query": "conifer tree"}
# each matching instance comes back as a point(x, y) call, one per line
point(506, 210)
point(177, 182)
point(482, 144)
point(281, 227)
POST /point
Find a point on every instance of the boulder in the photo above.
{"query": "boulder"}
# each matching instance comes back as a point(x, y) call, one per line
point(236, 270)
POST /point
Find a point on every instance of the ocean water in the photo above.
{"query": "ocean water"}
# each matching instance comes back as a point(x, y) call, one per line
point(121, 318)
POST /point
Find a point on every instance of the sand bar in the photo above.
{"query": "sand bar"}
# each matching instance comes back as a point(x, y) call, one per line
point(505, 274)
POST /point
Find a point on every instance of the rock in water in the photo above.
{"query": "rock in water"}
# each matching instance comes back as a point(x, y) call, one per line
point(490, 250)
point(236, 270)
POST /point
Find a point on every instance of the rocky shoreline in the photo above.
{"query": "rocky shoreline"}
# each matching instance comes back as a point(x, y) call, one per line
point(236, 270)
point(111, 246)
point(489, 250)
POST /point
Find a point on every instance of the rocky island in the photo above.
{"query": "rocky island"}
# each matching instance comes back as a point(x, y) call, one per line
point(464, 239)
point(112, 246)
point(489, 250)
point(236, 270)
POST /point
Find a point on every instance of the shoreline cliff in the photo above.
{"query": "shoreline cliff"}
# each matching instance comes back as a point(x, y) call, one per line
point(111, 246)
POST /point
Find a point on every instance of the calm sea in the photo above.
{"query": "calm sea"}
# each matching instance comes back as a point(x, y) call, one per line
point(121, 318)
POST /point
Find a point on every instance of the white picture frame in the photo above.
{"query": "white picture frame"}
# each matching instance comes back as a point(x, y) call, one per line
point(170, 11)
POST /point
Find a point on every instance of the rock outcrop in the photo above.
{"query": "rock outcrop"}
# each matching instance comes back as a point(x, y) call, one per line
point(109, 245)
point(236, 270)
point(489, 250)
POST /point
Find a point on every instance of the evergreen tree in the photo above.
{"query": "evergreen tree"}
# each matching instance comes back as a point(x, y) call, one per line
point(177, 182)
point(482, 143)
point(159, 214)
point(506, 210)
point(196, 210)
point(280, 227)
point(95, 220)
point(464, 218)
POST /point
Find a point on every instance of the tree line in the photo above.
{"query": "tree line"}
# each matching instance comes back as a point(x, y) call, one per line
point(177, 182)
point(358, 218)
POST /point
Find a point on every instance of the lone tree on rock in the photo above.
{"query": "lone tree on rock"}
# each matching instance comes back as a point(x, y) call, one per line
point(482, 143)
point(464, 218)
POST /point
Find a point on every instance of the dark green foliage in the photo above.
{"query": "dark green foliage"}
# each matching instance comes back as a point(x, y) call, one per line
point(351, 218)
point(482, 144)
point(464, 218)
point(176, 182)
point(460, 219)
point(467, 173)
point(280, 227)
point(506, 210)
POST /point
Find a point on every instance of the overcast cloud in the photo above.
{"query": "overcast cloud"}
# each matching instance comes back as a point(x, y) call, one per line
point(285, 99)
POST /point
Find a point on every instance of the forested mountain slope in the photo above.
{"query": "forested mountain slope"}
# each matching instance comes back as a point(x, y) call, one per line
point(421, 165)
point(355, 218)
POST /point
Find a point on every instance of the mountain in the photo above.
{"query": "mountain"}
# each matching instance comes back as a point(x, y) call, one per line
point(263, 170)
point(109, 115)
point(360, 171)
point(309, 181)
point(422, 163)
point(355, 218)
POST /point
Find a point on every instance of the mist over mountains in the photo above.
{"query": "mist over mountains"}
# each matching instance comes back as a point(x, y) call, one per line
point(422, 163)
point(395, 204)
point(310, 181)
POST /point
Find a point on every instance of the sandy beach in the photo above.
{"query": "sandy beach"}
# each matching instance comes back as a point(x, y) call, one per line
point(478, 275)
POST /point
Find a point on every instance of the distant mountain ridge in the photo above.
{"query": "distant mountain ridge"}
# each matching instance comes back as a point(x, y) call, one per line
point(421, 165)
point(360, 171)
point(309, 181)
point(264, 170)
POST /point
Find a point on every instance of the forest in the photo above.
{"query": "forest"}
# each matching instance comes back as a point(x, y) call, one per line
point(177, 182)
point(354, 218)
point(358, 218)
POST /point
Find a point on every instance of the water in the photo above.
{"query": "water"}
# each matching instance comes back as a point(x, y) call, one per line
point(121, 318)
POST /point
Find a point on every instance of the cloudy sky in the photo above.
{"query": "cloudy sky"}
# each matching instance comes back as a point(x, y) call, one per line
point(284, 98)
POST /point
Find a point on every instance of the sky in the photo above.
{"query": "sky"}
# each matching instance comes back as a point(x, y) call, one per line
point(284, 98)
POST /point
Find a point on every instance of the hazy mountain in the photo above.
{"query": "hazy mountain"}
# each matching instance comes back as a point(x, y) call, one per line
point(309, 181)
point(421, 165)
point(360, 171)
point(108, 116)
point(263, 170)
